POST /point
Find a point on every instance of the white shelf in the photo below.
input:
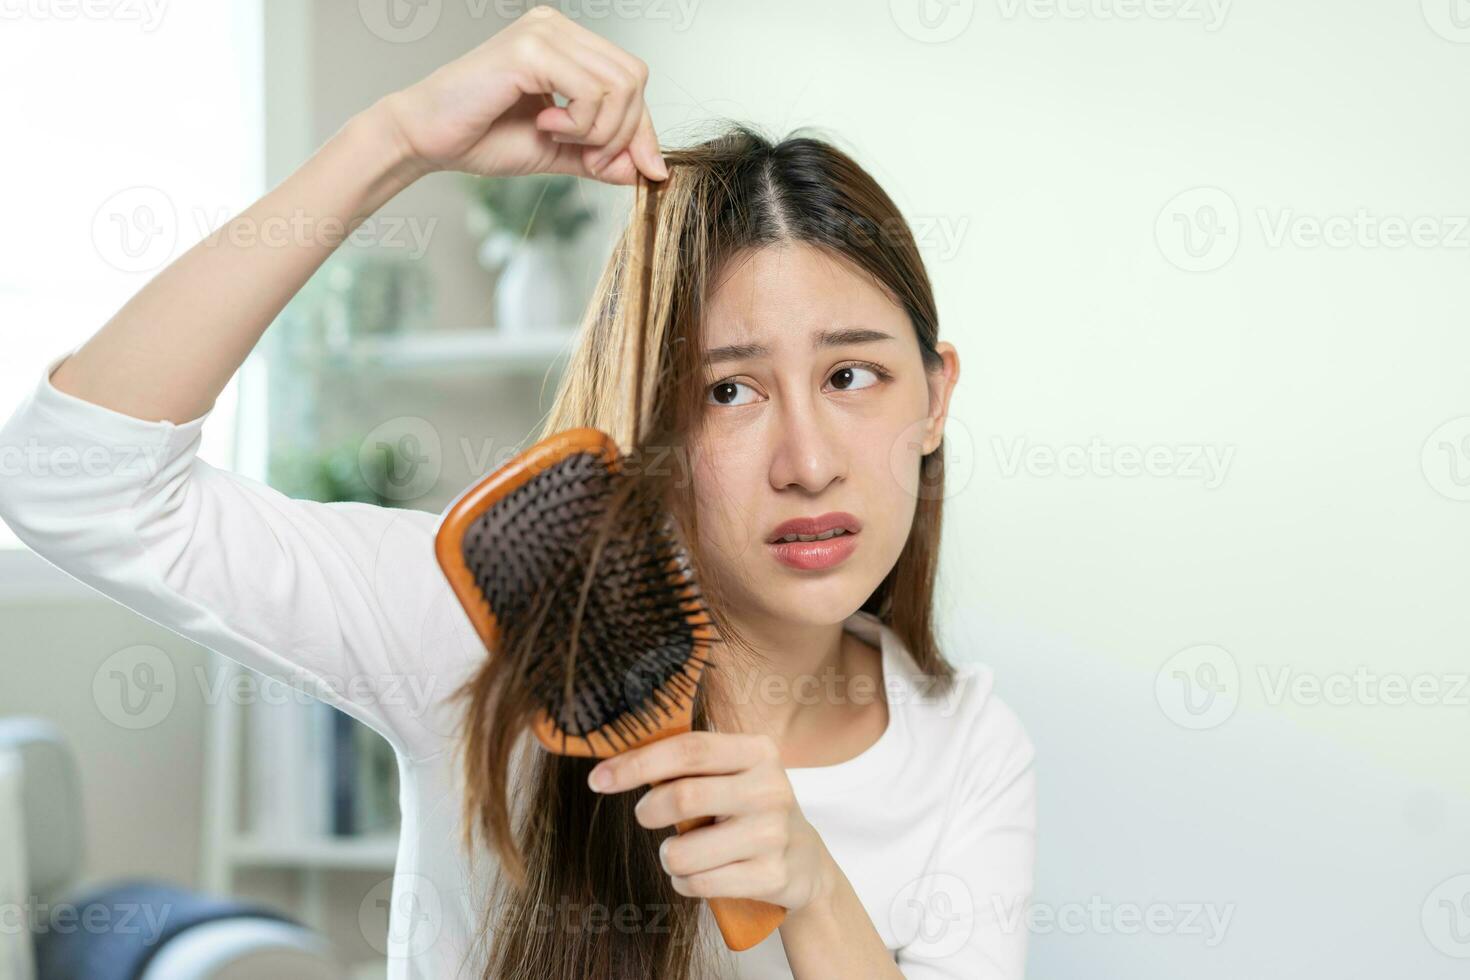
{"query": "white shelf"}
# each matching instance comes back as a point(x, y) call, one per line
point(369, 852)
point(476, 349)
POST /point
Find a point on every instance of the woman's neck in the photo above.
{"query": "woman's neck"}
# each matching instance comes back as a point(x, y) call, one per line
point(817, 690)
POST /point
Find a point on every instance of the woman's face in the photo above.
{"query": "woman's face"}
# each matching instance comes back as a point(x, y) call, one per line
point(817, 404)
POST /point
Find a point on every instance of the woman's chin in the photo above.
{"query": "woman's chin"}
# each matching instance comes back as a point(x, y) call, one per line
point(812, 603)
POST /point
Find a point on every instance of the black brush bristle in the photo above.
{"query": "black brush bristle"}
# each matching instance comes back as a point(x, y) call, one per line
point(529, 555)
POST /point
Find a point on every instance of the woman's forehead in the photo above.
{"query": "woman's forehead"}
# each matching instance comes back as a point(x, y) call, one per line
point(792, 295)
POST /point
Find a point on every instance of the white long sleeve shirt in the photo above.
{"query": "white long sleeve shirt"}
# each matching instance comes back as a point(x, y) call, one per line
point(934, 824)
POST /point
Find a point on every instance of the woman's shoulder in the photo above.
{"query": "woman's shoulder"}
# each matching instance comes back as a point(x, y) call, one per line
point(962, 713)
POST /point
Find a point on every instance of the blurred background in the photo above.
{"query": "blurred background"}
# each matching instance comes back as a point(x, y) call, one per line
point(1205, 263)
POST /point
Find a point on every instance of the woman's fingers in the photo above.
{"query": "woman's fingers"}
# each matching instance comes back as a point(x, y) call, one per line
point(553, 69)
point(593, 113)
point(596, 42)
point(684, 799)
point(736, 779)
point(643, 148)
point(625, 104)
point(571, 158)
point(712, 796)
point(627, 125)
point(618, 121)
point(493, 111)
point(689, 753)
point(642, 154)
point(718, 844)
point(636, 134)
point(762, 877)
point(621, 115)
point(621, 89)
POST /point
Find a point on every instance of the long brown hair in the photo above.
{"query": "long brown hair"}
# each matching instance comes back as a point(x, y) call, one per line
point(582, 894)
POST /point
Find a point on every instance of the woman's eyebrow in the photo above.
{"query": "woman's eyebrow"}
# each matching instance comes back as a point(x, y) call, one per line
point(826, 338)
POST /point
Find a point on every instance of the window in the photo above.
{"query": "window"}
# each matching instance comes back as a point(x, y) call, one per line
point(133, 128)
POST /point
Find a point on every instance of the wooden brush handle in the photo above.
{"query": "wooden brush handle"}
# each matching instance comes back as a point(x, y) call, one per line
point(743, 921)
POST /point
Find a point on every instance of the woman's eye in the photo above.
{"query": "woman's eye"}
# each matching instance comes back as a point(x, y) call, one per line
point(845, 379)
point(724, 393)
point(848, 378)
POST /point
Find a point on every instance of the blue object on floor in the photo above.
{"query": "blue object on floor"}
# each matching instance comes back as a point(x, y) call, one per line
point(113, 932)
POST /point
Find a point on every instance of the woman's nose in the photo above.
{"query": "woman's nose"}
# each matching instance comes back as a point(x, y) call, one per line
point(807, 454)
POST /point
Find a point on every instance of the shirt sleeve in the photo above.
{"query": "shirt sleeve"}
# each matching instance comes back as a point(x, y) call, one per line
point(969, 911)
point(343, 601)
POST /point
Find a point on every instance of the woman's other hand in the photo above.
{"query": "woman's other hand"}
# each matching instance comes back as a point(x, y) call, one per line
point(760, 846)
point(491, 111)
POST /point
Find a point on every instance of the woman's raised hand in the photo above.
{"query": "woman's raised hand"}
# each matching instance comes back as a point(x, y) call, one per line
point(491, 111)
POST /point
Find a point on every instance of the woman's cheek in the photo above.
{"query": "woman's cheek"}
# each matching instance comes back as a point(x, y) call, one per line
point(897, 483)
point(904, 448)
point(722, 525)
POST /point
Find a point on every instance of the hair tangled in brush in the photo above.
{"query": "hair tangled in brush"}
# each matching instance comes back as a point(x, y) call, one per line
point(636, 374)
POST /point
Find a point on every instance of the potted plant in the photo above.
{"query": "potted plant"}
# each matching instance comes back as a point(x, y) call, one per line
point(367, 293)
point(341, 472)
point(523, 224)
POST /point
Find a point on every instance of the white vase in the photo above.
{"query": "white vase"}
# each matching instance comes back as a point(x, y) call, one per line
point(531, 295)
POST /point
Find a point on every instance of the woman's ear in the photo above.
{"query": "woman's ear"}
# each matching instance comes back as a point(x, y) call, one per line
point(941, 382)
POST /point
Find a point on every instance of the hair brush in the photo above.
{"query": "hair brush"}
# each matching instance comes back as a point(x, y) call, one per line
point(516, 547)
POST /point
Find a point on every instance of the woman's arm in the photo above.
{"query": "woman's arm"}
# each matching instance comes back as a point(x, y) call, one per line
point(169, 352)
point(341, 601)
point(833, 936)
point(99, 472)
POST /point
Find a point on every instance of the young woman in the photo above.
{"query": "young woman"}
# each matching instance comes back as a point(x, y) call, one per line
point(881, 795)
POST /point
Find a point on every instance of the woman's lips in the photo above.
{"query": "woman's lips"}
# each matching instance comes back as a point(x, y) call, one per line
point(812, 555)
